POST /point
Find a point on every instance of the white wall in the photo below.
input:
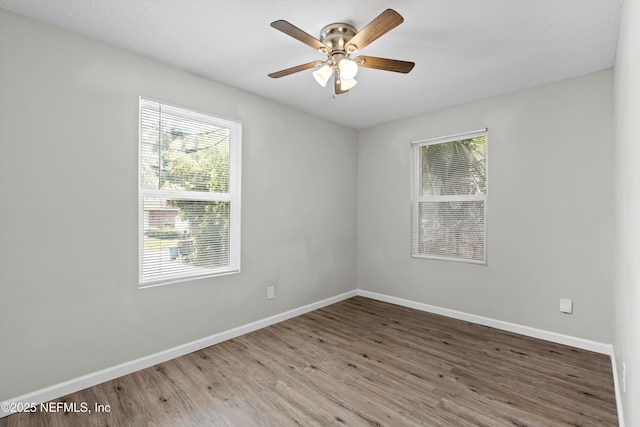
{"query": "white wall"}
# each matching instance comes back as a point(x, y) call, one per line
point(627, 184)
point(70, 303)
point(550, 210)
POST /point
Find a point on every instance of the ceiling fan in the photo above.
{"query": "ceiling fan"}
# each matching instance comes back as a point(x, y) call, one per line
point(339, 41)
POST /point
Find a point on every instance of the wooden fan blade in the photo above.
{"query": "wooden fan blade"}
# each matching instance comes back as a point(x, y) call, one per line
point(386, 64)
point(295, 32)
point(295, 69)
point(337, 89)
point(382, 24)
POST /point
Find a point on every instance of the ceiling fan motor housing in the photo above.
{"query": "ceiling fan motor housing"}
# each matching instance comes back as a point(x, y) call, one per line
point(337, 37)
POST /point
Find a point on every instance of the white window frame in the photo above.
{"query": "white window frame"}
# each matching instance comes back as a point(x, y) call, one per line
point(416, 198)
point(232, 197)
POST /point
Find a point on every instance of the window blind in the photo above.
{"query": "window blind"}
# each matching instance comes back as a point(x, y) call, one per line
point(449, 197)
point(189, 194)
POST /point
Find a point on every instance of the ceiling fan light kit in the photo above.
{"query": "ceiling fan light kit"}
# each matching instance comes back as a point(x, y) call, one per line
point(323, 74)
point(338, 41)
point(346, 84)
point(348, 68)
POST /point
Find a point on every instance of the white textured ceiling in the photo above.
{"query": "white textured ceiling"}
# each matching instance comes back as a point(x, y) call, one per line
point(464, 50)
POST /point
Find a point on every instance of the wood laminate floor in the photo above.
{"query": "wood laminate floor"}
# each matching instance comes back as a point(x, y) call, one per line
point(359, 362)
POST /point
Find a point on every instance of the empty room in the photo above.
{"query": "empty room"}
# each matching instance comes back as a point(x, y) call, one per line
point(360, 213)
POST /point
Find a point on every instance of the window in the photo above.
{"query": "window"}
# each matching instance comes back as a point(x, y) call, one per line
point(449, 198)
point(189, 194)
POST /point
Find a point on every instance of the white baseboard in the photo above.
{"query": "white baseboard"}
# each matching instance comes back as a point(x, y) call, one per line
point(616, 386)
point(59, 390)
point(594, 346)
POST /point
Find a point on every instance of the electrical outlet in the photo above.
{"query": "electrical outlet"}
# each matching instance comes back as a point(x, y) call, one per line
point(270, 292)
